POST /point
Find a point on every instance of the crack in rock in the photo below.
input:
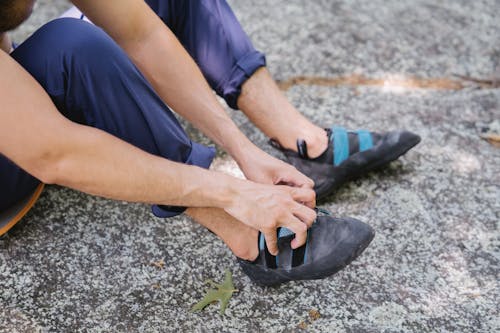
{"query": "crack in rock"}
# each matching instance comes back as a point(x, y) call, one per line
point(409, 82)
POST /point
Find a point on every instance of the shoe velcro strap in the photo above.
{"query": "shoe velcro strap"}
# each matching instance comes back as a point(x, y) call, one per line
point(340, 140)
point(284, 232)
point(299, 255)
point(287, 257)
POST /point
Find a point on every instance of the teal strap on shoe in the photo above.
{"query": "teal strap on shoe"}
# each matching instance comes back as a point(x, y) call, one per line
point(284, 232)
point(365, 140)
point(287, 257)
point(340, 145)
point(295, 257)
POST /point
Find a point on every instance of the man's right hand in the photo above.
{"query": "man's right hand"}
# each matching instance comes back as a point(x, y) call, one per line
point(267, 207)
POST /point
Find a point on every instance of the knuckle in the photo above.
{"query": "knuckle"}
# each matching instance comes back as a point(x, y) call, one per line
point(311, 221)
point(313, 216)
point(300, 229)
point(313, 195)
point(274, 221)
point(309, 193)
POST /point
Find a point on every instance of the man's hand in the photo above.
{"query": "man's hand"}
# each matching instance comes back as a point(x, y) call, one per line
point(262, 168)
point(267, 207)
point(266, 169)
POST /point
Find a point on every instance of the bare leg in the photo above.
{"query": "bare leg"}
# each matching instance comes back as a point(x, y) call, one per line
point(240, 238)
point(267, 107)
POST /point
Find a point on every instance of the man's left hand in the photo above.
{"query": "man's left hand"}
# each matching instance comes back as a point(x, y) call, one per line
point(265, 169)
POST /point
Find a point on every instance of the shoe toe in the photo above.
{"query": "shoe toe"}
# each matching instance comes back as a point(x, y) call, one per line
point(403, 138)
point(361, 235)
point(412, 138)
point(338, 241)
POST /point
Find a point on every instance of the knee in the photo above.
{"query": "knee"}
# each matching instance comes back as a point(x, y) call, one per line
point(71, 42)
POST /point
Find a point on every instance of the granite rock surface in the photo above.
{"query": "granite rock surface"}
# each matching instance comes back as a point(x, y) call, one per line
point(78, 263)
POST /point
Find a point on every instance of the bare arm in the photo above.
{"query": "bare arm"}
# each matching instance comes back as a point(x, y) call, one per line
point(180, 83)
point(35, 136)
point(169, 68)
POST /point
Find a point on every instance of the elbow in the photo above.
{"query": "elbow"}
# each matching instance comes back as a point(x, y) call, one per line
point(47, 169)
point(46, 177)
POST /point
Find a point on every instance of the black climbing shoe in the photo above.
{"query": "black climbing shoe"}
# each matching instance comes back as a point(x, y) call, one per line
point(332, 244)
point(350, 154)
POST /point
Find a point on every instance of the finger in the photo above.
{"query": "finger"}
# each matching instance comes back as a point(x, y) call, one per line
point(297, 179)
point(305, 196)
point(272, 242)
point(308, 183)
point(305, 214)
point(300, 230)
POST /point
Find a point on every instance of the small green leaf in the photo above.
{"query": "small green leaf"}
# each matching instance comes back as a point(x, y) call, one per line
point(220, 292)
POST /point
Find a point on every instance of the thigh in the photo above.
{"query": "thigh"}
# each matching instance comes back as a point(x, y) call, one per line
point(92, 81)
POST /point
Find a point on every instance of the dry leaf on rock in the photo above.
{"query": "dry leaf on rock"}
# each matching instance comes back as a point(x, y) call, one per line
point(219, 292)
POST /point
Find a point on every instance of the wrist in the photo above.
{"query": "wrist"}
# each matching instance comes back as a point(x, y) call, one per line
point(224, 190)
point(236, 144)
point(245, 153)
point(231, 196)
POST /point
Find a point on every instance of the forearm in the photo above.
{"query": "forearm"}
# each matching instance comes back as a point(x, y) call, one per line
point(182, 86)
point(39, 139)
point(97, 163)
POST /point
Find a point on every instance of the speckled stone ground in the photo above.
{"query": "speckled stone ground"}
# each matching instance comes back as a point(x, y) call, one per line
point(83, 264)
